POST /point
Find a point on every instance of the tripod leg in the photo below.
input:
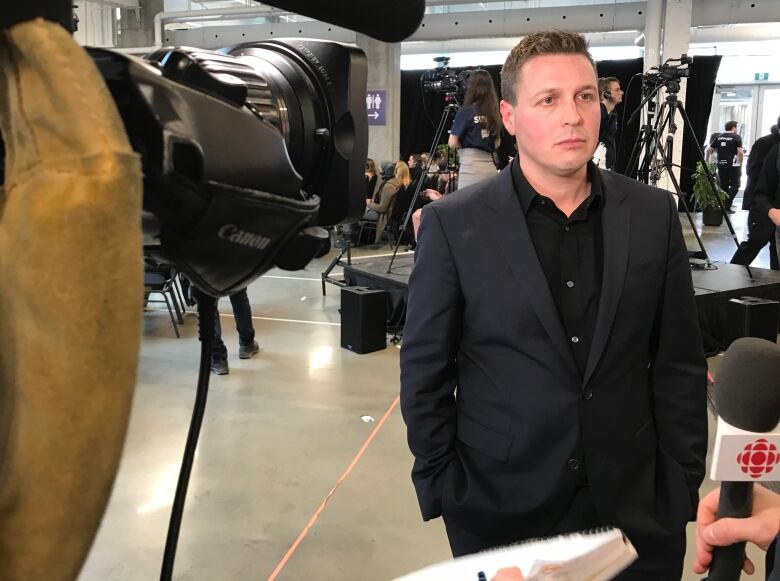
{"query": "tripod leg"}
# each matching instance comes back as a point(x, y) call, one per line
point(439, 131)
point(681, 196)
point(710, 177)
point(335, 262)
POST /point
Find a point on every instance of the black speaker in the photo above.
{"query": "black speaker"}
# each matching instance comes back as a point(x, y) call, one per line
point(363, 319)
point(751, 317)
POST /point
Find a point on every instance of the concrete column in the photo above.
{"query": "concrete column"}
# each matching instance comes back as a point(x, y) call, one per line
point(676, 35)
point(384, 73)
point(654, 22)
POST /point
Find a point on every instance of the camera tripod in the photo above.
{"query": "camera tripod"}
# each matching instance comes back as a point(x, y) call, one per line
point(656, 157)
point(450, 109)
point(345, 243)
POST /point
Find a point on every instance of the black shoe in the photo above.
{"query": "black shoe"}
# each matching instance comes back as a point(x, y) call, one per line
point(730, 211)
point(219, 366)
point(247, 351)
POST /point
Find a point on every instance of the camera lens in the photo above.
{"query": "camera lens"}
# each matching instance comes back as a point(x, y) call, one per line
point(289, 93)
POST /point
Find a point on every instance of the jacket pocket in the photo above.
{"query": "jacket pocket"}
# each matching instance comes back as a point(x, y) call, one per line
point(488, 441)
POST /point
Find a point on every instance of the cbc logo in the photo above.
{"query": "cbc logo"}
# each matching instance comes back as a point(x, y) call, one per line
point(758, 458)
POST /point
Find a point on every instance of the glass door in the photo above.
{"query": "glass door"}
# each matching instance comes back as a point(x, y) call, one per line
point(768, 108)
point(736, 103)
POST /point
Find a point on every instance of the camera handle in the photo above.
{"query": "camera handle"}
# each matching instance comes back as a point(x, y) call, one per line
point(207, 313)
point(450, 108)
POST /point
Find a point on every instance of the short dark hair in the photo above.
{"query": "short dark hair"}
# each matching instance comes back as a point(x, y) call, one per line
point(604, 83)
point(731, 125)
point(549, 42)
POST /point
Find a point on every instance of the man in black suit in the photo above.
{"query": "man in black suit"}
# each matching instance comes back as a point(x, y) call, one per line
point(761, 230)
point(552, 374)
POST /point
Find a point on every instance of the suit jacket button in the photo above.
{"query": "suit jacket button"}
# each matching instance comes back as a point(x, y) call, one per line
point(573, 464)
point(587, 394)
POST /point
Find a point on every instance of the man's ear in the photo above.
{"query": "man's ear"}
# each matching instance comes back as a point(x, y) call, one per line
point(508, 116)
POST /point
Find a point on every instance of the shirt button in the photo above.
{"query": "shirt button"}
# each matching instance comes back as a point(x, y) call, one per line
point(587, 394)
point(575, 339)
point(573, 464)
point(569, 283)
point(567, 228)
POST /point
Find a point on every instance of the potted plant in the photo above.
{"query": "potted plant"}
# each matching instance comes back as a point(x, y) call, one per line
point(712, 214)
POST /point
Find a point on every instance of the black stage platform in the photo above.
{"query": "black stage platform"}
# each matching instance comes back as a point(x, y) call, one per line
point(713, 289)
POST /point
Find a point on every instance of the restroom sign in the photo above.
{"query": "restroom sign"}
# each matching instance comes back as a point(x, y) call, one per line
point(376, 105)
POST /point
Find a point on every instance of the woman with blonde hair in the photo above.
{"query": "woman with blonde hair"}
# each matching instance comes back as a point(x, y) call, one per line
point(476, 130)
point(378, 208)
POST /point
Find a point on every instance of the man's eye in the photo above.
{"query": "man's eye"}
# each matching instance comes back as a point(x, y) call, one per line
point(586, 96)
point(547, 100)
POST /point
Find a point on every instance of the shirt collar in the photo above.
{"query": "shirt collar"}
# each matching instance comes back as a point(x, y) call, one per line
point(527, 194)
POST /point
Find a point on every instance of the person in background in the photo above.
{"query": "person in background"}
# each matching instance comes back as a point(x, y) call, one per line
point(247, 346)
point(378, 208)
point(372, 178)
point(476, 130)
point(415, 164)
point(610, 95)
point(761, 230)
point(766, 197)
point(728, 149)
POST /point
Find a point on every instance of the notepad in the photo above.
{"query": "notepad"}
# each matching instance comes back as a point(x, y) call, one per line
point(587, 556)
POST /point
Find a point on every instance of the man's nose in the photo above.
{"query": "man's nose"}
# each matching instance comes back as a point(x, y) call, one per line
point(571, 114)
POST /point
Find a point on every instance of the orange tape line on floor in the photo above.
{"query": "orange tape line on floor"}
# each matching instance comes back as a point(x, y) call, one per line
point(322, 506)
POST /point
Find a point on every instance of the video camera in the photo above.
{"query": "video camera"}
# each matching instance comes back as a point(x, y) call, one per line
point(443, 79)
point(669, 73)
point(246, 151)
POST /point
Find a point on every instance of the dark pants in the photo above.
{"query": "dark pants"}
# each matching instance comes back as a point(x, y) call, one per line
point(730, 177)
point(242, 313)
point(661, 558)
point(761, 231)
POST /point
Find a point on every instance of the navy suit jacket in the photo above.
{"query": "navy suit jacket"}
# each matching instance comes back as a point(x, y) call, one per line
point(500, 420)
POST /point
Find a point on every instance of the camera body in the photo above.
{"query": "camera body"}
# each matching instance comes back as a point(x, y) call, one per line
point(445, 80)
point(246, 151)
point(670, 73)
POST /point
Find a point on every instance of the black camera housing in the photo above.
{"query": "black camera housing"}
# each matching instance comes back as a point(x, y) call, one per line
point(229, 191)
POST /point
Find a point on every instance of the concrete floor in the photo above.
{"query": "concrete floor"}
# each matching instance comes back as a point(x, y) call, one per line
point(279, 433)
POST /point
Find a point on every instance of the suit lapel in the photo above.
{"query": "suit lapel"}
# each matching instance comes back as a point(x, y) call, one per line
point(509, 227)
point(616, 227)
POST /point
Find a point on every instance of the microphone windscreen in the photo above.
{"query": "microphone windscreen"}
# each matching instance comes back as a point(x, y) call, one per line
point(386, 21)
point(747, 385)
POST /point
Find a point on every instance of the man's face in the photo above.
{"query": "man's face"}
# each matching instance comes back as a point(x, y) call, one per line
point(557, 114)
point(616, 92)
point(410, 162)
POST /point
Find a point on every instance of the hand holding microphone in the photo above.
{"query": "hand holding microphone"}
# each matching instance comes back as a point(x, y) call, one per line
point(760, 528)
point(747, 450)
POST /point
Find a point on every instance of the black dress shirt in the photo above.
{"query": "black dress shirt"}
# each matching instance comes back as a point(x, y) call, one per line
point(571, 254)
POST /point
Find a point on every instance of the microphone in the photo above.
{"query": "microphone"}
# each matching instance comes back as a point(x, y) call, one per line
point(386, 21)
point(747, 444)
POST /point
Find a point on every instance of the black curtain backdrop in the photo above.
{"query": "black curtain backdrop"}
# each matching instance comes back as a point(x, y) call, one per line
point(421, 112)
point(698, 105)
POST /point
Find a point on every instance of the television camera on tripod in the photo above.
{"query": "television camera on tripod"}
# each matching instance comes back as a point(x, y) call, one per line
point(651, 155)
point(452, 85)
